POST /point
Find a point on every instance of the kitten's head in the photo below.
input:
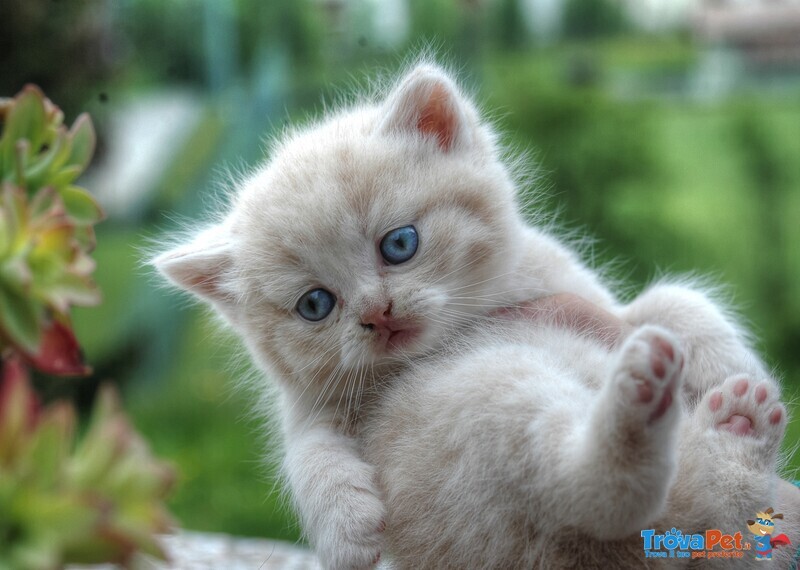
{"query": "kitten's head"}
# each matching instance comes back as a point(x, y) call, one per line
point(367, 238)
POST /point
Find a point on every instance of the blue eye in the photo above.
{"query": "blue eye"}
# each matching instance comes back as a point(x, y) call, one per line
point(316, 304)
point(399, 245)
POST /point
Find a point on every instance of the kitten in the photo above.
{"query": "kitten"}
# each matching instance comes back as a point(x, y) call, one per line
point(385, 234)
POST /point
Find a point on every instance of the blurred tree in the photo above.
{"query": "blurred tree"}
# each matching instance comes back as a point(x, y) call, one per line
point(769, 179)
point(162, 39)
point(297, 26)
point(509, 29)
point(169, 47)
point(588, 19)
point(587, 146)
point(436, 21)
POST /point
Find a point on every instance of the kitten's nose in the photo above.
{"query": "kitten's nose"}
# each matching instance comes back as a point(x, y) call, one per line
point(377, 318)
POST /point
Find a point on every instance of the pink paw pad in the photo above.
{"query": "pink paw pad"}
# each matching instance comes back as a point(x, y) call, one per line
point(740, 388)
point(715, 401)
point(744, 408)
point(737, 424)
point(663, 405)
point(650, 374)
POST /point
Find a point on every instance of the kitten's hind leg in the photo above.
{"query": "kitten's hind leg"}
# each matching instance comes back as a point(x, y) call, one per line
point(746, 420)
point(629, 440)
point(728, 455)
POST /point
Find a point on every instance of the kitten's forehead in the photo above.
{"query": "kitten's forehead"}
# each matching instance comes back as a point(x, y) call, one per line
point(336, 180)
point(316, 211)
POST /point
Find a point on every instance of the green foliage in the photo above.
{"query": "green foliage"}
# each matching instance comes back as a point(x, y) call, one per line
point(99, 501)
point(435, 20)
point(589, 19)
point(769, 174)
point(587, 146)
point(46, 230)
point(181, 40)
point(509, 29)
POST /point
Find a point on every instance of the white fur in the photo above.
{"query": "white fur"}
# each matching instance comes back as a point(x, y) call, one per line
point(491, 443)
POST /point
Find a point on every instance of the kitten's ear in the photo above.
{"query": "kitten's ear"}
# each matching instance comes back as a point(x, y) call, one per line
point(429, 103)
point(750, 523)
point(778, 516)
point(202, 266)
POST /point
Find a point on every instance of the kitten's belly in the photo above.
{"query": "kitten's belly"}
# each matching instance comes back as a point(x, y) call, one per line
point(444, 435)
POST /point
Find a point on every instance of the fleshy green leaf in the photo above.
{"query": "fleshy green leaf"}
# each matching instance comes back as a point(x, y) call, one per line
point(43, 201)
point(13, 206)
point(65, 176)
point(21, 154)
point(18, 410)
point(48, 162)
point(25, 120)
point(19, 319)
point(50, 443)
point(83, 140)
point(81, 206)
point(72, 290)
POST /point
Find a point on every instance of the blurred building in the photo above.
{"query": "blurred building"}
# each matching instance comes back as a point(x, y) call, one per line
point(759, 31)
point(660, 15)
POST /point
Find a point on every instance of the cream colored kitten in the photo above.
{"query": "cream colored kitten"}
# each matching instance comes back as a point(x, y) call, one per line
point(361, 265)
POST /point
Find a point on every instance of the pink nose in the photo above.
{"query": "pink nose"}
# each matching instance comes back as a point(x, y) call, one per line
point(379, 318)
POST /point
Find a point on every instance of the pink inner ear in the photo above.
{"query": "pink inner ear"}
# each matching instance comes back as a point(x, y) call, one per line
point(206, 285)
point(438, 118)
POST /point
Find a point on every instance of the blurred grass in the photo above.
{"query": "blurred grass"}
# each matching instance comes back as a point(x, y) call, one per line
point(203, 423)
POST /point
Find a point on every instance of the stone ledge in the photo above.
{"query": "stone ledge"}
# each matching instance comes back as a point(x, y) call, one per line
point(210, 551)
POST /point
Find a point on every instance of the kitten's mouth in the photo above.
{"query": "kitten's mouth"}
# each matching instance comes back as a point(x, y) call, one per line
point(397, 334)
point(403, 337)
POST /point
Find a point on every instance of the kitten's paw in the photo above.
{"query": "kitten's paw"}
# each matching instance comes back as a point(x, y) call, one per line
point(353, 537)
point(649, 374)
point(747, 410)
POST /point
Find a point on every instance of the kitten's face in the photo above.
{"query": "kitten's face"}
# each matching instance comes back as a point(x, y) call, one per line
point(369, 239)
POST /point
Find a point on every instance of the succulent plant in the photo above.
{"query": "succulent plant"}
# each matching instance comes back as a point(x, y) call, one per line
point(46, 231)
point(97, 501)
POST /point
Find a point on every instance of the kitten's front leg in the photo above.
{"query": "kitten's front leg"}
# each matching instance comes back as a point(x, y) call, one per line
point(334, 492)
point(621, 461)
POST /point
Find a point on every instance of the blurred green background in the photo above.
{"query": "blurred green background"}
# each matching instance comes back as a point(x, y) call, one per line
point(669, 131)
